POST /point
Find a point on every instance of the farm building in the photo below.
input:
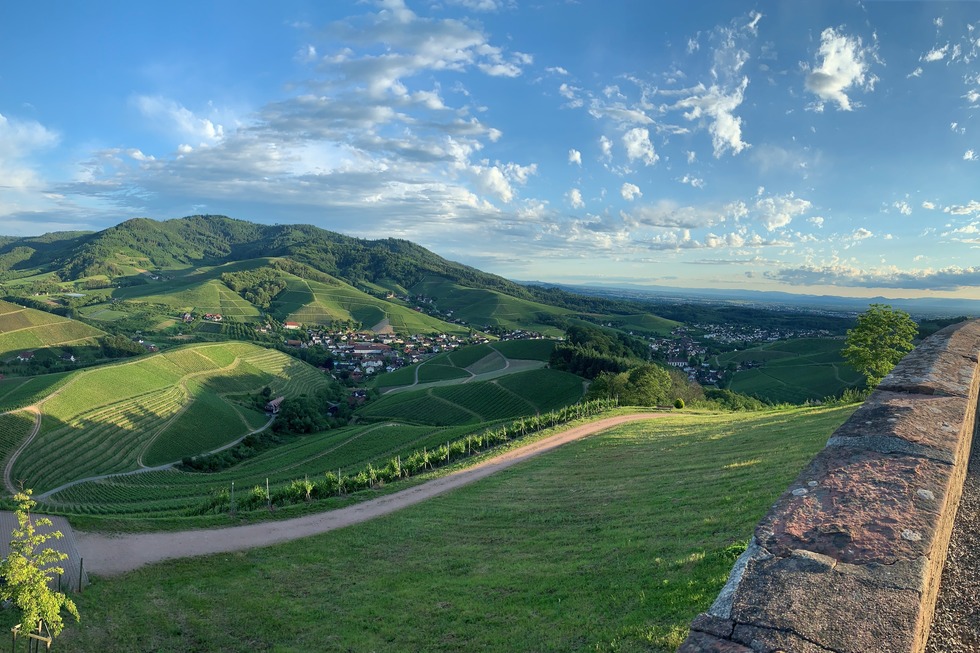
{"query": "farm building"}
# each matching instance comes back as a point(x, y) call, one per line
point(25, 356)
point(274, 405)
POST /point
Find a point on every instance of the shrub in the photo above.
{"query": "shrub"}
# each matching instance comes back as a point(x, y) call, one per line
point(678, 403)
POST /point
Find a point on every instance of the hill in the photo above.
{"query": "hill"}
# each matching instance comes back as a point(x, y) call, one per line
point(793, 371)
point(179, 265)
point(151, 410)
point(29, 329)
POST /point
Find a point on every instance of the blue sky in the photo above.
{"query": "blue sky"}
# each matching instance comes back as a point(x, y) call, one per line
point(829, 148)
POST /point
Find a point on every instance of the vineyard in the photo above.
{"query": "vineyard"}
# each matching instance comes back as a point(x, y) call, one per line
point(173, 493)
point(26, 329)
point(506, 397)
point(154, 410)
point(209, 296)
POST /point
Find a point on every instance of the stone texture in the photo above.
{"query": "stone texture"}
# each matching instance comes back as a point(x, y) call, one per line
point(712, 625)
point(933, 422)
point(862, 504)
point(853, 608)
point(698, 642)
point(943, 364)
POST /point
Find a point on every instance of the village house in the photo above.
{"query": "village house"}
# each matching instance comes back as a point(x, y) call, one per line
point(25, 356)
point(291, 325)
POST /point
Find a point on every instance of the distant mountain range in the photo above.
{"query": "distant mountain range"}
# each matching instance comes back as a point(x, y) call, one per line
point(929, 306)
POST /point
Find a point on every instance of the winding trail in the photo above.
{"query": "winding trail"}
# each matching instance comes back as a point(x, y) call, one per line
point(108, 555)
point(8, 470)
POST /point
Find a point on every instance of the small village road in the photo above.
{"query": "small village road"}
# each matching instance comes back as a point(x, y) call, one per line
point(108, 555)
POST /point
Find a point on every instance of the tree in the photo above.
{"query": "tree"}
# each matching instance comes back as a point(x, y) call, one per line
point(26, 574)
point(880, 339)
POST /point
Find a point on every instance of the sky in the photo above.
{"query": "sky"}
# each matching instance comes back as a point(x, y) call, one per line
point(819, 147)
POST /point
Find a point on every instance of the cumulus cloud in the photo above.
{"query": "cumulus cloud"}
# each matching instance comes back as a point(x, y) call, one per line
point(861, 234)
point(926, 204)
point(694, 182)
point(630, 192)
point(605, 146)
point(970, 208)
point(816, 221)
point(842, 65)
point(779, 210)
point(903, 207)
point(19, 140)
point(717, 106)
point(970, 155)
point(574, 156)
point(936, 54)
point(575, 198)
point(173, 116)
point(639, 147)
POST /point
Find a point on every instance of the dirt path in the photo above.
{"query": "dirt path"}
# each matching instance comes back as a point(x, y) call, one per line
point(8, 470)
point(107, 555)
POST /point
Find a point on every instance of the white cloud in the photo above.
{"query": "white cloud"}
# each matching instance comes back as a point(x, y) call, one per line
point(639, 147)
point(915, 73)
point(970, 155)
point(956, 129)
point(630, 191)
point(861, 234)
point(779, 210)
point(936, 54)
point(691, 157)
point(19, 140)
point(605, 146)
point(972, 97)
point(841, 274)
point(491, 180)
point(816, 221)
point(173, 116)
point(972, 207)
point(574, 156)
point(903, 207)
point(481, 5)
point(926, 204)
point(692, 181)
point(575, 198)
point(843, 65)
point(717, 107)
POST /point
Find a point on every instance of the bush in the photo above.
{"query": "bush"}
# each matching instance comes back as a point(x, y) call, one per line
point(678, 403)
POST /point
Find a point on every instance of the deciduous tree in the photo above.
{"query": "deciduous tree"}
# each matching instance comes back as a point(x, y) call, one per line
point(880, 339)
point(26, 574)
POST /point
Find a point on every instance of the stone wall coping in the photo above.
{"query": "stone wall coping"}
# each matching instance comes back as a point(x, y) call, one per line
point(849, 558)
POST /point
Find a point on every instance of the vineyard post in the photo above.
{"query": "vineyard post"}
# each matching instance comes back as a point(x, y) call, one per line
point(268, 496)
point(449, 453)
point(232, 504)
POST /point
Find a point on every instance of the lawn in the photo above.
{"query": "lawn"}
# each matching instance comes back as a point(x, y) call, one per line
point(613, 543)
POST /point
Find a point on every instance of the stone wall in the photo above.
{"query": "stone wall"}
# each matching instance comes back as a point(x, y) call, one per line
point(850, 556)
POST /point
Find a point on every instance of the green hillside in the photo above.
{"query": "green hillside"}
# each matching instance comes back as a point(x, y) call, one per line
point(154, 410)
point(794, 371)
point(486, 308)
point(28, 329)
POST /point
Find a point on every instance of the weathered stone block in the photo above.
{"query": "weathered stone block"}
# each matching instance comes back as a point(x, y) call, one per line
point(847, 608)
point(858, 506)
point(931, 423)
point(943, 364)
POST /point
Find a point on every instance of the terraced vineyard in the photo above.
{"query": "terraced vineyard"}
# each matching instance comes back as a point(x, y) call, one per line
point(204, 296)
point(154, 410)
point(794, 371)
point(314, 302)
point(173, 493)
point(514, 395)
point(26, 328)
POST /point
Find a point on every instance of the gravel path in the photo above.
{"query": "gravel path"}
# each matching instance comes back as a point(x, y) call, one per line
point(107, 555)
point(956, 625)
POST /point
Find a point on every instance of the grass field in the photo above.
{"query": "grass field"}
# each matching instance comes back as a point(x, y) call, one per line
point(153, 410)
point(794, 371)
point(193, 295)
point(613, 543)
point(26, 328)
point(314, 302)
point(506, 397)
point(487, 308)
